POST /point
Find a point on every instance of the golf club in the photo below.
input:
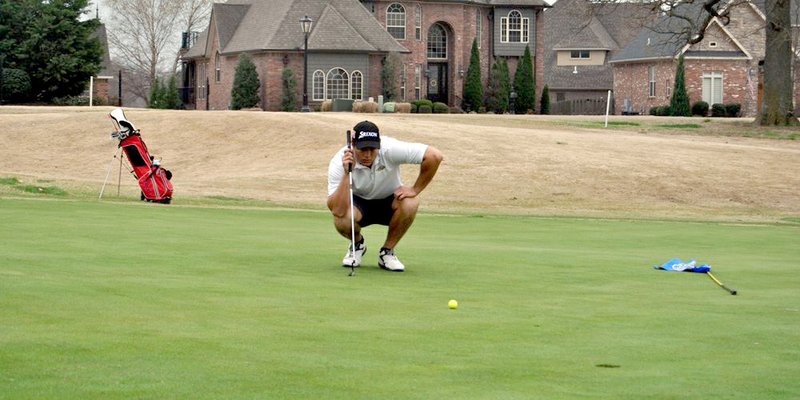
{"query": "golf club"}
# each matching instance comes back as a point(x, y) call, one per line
point(713, 278)
point(352, 216)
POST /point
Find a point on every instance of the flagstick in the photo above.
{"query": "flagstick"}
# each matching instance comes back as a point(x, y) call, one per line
point(713, 278)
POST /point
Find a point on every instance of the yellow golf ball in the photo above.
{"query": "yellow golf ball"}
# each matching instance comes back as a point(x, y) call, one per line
point(452, 304)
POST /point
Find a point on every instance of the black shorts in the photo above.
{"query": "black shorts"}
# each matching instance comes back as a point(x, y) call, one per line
point(377, 211)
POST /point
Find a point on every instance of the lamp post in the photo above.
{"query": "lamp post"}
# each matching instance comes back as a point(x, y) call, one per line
point(305, 24)
point(512, 99)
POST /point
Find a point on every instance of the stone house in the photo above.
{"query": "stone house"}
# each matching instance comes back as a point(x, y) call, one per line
point(722, 68)
point(349, 42)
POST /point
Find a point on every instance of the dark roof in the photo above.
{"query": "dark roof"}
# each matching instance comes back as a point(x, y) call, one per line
point(496, 3)
point(105, 64)
point(670, 34)
point(666, 37)
point(229, 16)
point(198, 49)
point(516, 3)
point(594, 36)
point(257, 25)
point(583, 25)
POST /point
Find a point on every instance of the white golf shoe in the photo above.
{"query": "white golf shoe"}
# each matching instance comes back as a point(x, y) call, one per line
point(388, 261)
point(353, 259)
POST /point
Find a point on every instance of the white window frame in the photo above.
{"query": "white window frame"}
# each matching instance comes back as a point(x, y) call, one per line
point(418, 23)
point(201, 82)
point(581, 54)
point(446, 44)
point(394, 13)
point(345, 84)
point(712, 89)
point(356, 85)
point(651, 77)
point(315, 90)
point(506, 29)
point(403, 82)
point(217, 68)
point(417, 81)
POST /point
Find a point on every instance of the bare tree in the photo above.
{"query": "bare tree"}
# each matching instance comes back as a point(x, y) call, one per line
point(194, 15)
point(145, 35)
point(690, 18)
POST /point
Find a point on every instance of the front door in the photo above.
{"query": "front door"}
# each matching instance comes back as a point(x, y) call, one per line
point(437, 82)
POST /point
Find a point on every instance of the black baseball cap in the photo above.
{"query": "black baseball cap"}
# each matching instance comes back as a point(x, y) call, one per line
point(366, 135)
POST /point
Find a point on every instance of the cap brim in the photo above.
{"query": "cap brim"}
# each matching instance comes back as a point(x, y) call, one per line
point(376, 144)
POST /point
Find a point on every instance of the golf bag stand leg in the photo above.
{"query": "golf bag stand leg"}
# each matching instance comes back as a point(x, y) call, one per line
point(108, 173)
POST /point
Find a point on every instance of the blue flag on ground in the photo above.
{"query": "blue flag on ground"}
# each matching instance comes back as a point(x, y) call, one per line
point(675, 264)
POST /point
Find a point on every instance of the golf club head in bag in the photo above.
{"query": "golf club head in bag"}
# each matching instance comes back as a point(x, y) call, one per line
point(154, 181)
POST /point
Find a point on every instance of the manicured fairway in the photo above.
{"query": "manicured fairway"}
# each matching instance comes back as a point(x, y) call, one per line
point(116, 300)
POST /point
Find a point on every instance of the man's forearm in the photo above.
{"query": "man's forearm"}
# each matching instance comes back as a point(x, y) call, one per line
point(428, 168)
point(339, 201)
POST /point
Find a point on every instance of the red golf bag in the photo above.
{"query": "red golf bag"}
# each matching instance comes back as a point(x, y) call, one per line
point(153, 179)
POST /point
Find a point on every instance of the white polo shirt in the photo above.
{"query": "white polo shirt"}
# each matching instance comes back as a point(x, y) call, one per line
point(383, 177)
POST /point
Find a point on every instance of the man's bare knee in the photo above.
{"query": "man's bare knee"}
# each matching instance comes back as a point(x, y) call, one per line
point(407, 206)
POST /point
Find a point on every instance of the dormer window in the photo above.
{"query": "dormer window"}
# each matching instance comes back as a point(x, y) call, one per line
point(578, 54)
point(514, 28)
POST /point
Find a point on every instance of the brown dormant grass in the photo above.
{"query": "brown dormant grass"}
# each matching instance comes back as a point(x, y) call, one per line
point(545, 165)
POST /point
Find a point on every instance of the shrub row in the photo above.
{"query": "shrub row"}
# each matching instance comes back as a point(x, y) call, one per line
point(701, 108)
point(726, 110)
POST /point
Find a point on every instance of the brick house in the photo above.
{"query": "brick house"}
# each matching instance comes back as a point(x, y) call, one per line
point(722, 68)
point(349, 42)
point(581, 36)
point(105, 83)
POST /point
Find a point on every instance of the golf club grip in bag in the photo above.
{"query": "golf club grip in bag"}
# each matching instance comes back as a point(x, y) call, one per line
point(154, 181)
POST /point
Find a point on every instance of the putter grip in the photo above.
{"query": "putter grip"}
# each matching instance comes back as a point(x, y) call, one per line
point(349, 146)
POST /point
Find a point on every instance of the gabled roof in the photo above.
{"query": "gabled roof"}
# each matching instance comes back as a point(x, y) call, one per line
point(105, 63)
point(199, 47)
point(334, 33)
point(592, 37)
point(274, 25)
point(495, 3)
point(517, 3)
point(669, 36)
point(228, 18)
point(666, 37)
point(583, 25)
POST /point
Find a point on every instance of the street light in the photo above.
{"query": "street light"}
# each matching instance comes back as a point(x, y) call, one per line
point(512, 100)
point(305, 24)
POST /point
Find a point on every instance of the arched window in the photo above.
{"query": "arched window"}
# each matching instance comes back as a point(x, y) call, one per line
point(396, 21)
point(337, 84)
point(217, 68)
point(357, 85)
point(437, 42)
point(418, 23)
point(318, 86)
point(514, 28)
